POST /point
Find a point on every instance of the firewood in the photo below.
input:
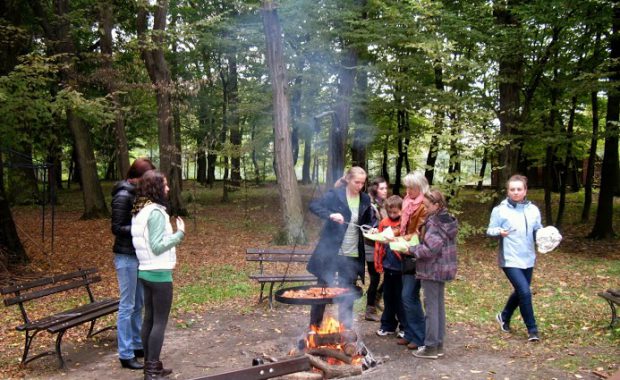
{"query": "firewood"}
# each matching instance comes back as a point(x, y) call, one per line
point(347, 336)
point(330, 353)
point(334, 371)
point(303, 376)
point(350, 349)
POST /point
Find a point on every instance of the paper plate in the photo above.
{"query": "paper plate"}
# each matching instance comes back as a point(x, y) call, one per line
point(402, 245)
point(376, 237)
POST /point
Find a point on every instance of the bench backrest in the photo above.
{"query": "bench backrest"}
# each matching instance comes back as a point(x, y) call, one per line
point(26, 291)
point(277, 255)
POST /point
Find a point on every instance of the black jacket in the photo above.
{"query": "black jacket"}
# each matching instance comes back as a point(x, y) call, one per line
point(123, 195)
point(325, 260)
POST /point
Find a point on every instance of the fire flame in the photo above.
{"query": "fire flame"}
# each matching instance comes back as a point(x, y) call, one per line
point(330, 325)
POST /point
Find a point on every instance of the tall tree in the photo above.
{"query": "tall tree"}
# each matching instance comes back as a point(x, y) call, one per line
point(290, 198)
point(152, 50)
point(603, 225)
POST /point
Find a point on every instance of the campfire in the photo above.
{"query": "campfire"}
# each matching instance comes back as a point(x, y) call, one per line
point(334, 350)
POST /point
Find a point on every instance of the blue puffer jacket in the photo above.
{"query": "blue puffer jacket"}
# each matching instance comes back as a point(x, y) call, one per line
point(325, 261)
point(517, 250)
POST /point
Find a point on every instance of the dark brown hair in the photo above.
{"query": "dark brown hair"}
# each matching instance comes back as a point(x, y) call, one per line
point(139, 167)
point(394, 202)
point(374, 185)
point(152, 187)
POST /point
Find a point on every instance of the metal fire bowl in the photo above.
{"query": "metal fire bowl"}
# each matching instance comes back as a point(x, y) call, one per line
point(353, 294)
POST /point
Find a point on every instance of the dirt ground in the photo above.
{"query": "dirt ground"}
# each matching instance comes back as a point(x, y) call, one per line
point(222, 340)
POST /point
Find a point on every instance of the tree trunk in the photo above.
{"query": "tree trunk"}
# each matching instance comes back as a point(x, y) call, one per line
point(290, 198)
point(151, 48)
point(105, 30)
point(433, 148)
point(510, 77)
point(234, 122)
point(362, 134)
point(385, 173)
point(568, 160)
point(603, 225)
point(340, 126)
point(402, 149)
point(22, 180)
point(587, 201)
point(11, 249)
point(305, 169)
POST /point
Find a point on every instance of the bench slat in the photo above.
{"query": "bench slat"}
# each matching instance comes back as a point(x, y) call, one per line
point(46, 280)
point(84, 318)
point(46, 322)
point(51, 290)
point(610, 297)
point(276, 251)
point(279, 259)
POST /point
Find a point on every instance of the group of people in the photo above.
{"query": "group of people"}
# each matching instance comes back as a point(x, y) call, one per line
point(145, 242)
point(426, 262)
point(144, 257)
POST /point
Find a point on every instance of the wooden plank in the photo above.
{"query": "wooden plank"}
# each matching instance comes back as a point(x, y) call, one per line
point(277, 251)
point(46, 280)
point(52, 290)
point(83, 318)
point(282, 259)
point(610, 297)
point(46, 322)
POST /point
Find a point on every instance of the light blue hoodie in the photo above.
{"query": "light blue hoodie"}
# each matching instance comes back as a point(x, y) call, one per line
point(517, 250)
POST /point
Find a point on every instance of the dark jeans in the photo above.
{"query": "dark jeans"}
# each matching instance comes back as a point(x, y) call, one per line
point(414, 314)
point(373, 286)
point(347, 278)
point(157, 303)
point(521, 297)
point(393, 310)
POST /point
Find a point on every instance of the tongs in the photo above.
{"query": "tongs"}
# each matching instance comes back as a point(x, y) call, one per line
point(364, 227)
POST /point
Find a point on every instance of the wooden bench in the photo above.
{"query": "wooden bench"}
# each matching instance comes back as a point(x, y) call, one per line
point(58, 323)
point(612, 296)
point(269, 272)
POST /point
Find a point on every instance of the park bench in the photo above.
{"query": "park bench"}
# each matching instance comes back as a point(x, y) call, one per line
point(58, 323)
point(278, 265)
point(612, 296)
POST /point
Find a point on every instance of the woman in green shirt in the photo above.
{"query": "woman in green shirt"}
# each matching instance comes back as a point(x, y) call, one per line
point(154, 241)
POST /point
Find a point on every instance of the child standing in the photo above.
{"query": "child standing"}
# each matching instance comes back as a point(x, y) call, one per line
point(435, 264)
point(389, 263)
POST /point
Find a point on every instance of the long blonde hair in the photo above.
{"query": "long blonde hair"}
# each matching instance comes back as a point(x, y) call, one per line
point(354, 171)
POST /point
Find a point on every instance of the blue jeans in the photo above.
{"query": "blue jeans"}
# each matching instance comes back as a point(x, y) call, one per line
point(129, 321)
point(415, 325)
point(521, 297)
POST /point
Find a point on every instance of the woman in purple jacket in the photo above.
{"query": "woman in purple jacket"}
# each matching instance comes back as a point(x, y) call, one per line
point(435, 264)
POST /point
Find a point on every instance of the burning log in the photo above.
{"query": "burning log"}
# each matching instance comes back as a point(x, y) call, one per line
point(315, 339)
point(330, 353)
point(334, 371)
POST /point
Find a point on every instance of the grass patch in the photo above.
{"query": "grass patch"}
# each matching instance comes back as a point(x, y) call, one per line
point(211, 285)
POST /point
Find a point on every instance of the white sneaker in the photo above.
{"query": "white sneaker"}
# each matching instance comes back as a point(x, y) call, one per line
point(401, 334)
point(382, 332)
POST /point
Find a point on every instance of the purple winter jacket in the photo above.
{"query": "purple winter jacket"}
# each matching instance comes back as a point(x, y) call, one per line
point(436, 254)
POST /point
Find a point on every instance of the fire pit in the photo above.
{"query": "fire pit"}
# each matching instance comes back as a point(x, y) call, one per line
point(317, 295)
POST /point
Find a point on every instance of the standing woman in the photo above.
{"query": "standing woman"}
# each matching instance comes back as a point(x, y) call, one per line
point(340, 250)
point(435, 264)
point(155, 243)
point(377, 191)
point(412, 218)
point(515, 220)
point(129, 320)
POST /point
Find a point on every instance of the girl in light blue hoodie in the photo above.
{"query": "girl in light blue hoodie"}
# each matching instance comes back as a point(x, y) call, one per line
point(515, 221)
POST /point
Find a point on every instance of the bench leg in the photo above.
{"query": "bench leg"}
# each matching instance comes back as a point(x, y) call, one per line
point(614, 314)
point(27, 344)
point(61, 361)
point(262, 287)
point(271, 296)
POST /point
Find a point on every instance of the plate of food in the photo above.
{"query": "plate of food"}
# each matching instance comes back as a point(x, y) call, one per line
point(402, 245)
point(382, 237)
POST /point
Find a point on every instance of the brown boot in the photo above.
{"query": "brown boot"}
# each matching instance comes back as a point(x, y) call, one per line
point(371, 314)
point(154, 370)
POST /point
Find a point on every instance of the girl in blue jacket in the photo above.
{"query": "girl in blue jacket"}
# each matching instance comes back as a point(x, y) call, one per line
point(515, 221)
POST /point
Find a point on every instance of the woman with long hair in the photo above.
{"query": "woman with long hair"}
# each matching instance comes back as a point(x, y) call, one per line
point(377, 190)
point(155, 242)
point(131, 300)
point(339, 254)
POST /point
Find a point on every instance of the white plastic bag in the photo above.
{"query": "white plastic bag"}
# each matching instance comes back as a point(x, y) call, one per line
point(547, 239)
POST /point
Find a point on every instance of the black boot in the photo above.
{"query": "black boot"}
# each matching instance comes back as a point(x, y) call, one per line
point(153, 370)
point(132, 363)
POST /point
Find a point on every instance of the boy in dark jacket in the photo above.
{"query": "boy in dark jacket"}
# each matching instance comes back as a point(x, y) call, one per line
point(389, 263)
